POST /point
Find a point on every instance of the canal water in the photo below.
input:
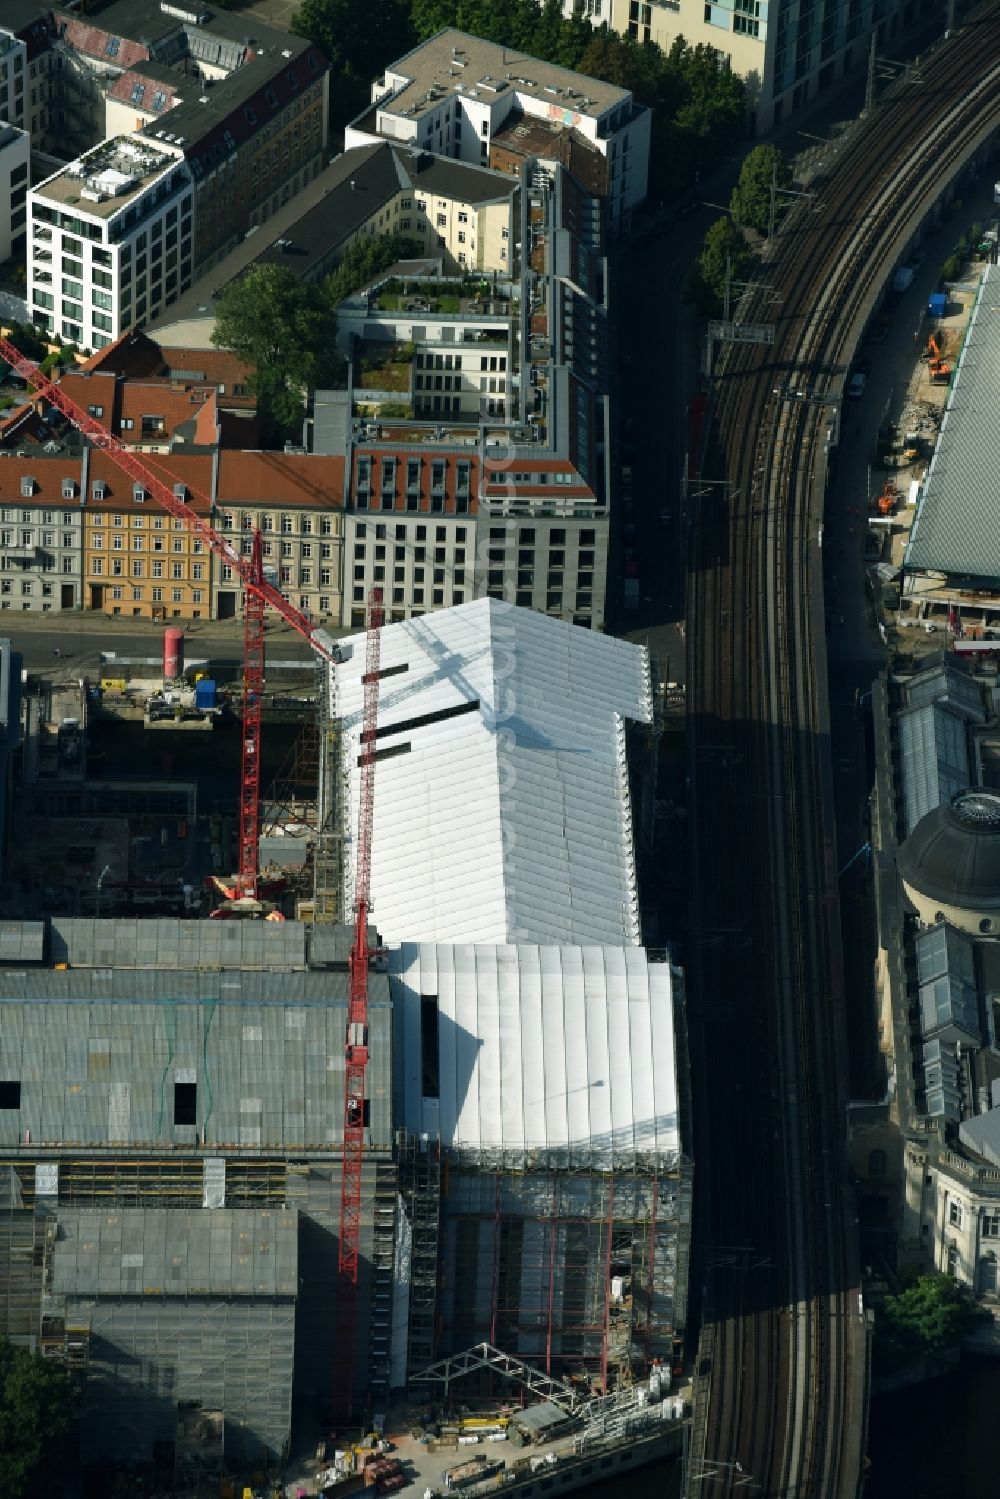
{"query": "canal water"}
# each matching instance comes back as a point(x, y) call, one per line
point(938, 1440)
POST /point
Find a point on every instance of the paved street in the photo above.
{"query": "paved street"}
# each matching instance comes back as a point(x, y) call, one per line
point(83, 638)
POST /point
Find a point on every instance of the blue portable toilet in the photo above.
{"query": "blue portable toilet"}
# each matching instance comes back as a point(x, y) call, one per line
point(937, 304)
point(204, 694)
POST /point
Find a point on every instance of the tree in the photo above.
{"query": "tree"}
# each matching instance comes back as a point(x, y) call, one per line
point(724, 253)
point(928, 1317)
point(363, 261)
point(285, 329)
point(35, 1420)
point(751, 197)
point(358, 40)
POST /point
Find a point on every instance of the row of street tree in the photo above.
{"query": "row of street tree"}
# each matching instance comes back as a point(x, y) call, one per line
point(698, 103)
point(757, 199)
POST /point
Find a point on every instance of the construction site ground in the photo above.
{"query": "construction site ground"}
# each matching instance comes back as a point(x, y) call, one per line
point(919, 625)
point(424, 1461)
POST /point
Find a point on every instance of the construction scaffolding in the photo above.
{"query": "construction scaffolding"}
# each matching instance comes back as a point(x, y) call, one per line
point(332, 805)
point(419, 1162)
point(580, 1272)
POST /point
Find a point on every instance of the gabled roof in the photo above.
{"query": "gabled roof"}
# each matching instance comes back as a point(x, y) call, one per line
point(93, 388)
point(218, 367)
point(502, 806)
point(49, 472)
point(23, 425)
point(151, 83)
point(192, 470)
point(96, 42)
point(281, 479)
point(174, 402)
point(452, 503)
point(500, 475)
point(545, 1053)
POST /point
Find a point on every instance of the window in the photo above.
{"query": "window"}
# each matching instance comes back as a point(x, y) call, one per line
point(955, 1214)
point(112, 45)
point(138, 93)
point(185, 1103)
point(991, 1223)
point(10, 1094)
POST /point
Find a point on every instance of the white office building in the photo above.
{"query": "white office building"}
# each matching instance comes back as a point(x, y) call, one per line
point(110, 240)
point(453, 93)
point(15, 147)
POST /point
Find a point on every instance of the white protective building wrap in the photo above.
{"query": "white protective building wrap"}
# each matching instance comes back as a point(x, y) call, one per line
point(502, 807)
point(553, 1054)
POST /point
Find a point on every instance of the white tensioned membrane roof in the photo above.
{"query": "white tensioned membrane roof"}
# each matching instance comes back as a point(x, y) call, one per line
point(559, 1054)
point(502, 810)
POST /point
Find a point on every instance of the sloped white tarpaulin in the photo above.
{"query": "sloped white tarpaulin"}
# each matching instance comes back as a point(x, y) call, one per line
point(502, 808)
point(555, 1054)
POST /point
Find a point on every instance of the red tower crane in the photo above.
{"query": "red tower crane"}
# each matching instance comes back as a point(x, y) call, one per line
point(356, 1040)
point(259, 593)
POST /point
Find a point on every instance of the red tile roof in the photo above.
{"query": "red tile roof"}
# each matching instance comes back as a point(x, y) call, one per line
point(281, 479)
point(215, 366)
point(407, 455)
point(206, 421)
point(48, 474)
point(98, 389)
point(23, 424)
point(94, 40)
point(237, 430)
point(132, 353)
point(500, 474)
point(193, 470)
point(123, 86)
point(121, 400)
point(172, 402)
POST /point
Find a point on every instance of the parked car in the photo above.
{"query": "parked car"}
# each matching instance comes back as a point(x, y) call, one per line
point(856, 386)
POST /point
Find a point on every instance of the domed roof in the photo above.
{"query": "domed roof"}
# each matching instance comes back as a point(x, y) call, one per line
point(953, 854)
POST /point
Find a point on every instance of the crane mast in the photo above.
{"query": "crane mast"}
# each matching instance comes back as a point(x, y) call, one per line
point(356, 1040)
point(258, 594)
point(248, 872)
point(164, 495)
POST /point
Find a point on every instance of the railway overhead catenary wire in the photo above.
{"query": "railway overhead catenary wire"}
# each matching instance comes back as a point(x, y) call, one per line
point(259, 594)
point(781, 1374)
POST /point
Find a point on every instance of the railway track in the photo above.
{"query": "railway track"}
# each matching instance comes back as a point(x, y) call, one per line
point(781, 1372)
